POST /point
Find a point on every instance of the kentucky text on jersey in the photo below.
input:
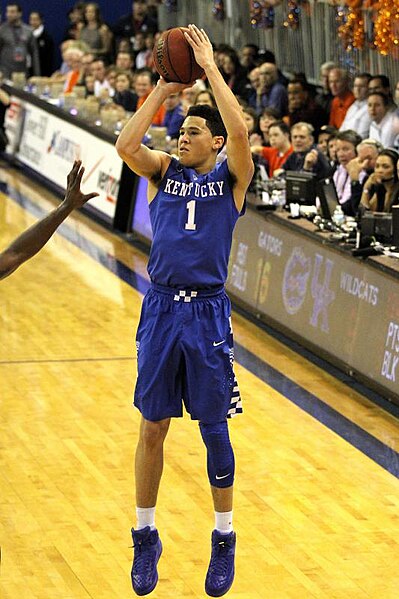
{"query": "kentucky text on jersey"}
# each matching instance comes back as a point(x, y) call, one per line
point(179, 188)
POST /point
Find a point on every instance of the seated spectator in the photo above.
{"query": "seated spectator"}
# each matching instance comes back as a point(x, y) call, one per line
point(94, 32)
point(380, 191)
point(306, 156)
point(205, 96)
point(110, 75)
point(74, 58)
point(124, 95)
point(138, 20)
point(249, 57)
point(357, 117)
point(89, 81)
point(302, 107)
point(360, 169)
point(143, 86)
point(102, 87)
point(188, 96)
point(332, 151)
point(174, 115)
point(381, 83)
point(266, 55)
point(60, 73)
point(124, 45)
point(45, 43)
point(87, 59)
point(347, 141)
point(124, 61)
point(268, 116)
point(251, 119)
point(234, 74)
point(384, 124)
point(325, 133)
point(269, 92)
point(325, 97)
point(280, 147)
point(339, 82)
point(144, 58)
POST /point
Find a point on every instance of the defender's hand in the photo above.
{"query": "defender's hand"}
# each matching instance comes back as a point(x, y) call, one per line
point(74, 198)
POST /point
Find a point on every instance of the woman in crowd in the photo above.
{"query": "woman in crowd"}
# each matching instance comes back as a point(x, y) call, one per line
point(252, 121)
point(234, 74)
point(381, 190)
point(124, 95)
point(205, 96)
point(325, 134)
point(95, 32)
point(269, 115)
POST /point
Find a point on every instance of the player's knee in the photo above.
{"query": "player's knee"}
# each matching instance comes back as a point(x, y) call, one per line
point(220, 456)
point(152, 434)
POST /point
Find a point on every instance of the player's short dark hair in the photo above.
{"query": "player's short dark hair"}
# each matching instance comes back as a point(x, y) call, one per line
point(212, 117)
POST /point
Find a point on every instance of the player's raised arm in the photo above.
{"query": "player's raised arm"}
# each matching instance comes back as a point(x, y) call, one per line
point(239, 156)
point(34, 238)
point(143, 161)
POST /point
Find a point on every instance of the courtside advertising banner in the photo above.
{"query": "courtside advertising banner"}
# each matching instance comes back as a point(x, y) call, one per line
point(49, 145)
point(339, 304)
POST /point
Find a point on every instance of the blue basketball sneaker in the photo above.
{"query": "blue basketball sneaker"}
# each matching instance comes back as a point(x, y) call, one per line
point(147, 551)
point(220, 573)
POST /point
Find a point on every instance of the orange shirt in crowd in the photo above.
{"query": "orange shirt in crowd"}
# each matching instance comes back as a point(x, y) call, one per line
point(71, 80)
point(274, 158)
point(339, 107)
point(159, 115)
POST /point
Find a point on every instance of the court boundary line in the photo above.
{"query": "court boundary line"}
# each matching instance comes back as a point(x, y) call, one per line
point(355, 435)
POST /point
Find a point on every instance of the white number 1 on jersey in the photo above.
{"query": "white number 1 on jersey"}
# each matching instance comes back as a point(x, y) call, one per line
point(190, 224)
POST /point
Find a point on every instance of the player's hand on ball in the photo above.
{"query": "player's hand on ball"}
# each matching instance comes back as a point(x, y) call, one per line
point(201, 45)
point(171, 87)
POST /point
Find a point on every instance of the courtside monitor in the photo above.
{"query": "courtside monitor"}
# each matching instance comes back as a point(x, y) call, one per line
point(328, 197)
point(301, 187)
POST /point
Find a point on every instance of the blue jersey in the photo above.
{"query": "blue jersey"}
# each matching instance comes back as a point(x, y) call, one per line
point(192, 218)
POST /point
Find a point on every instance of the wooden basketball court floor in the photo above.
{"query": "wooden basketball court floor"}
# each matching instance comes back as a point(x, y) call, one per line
point(317, 492)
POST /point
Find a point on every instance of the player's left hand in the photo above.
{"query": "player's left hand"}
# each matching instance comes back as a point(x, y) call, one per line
point(74, 198)
point(172, 87)
point(201, 45)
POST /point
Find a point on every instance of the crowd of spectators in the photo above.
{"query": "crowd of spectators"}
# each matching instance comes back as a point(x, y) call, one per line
point(345, 127)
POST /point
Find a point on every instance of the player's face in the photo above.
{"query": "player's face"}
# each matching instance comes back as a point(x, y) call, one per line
point(195, 142)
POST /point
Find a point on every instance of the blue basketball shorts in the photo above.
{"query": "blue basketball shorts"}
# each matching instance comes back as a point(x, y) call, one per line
point(185, 355)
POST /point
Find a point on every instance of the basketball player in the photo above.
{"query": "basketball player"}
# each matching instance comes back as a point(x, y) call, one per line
point(32, 240)
point(184, 338)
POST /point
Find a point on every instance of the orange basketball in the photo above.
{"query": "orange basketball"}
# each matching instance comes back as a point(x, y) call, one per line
point(174, 58)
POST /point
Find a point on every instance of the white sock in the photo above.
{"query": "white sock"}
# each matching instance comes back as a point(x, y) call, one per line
point(145, 517)
point(224, 522)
